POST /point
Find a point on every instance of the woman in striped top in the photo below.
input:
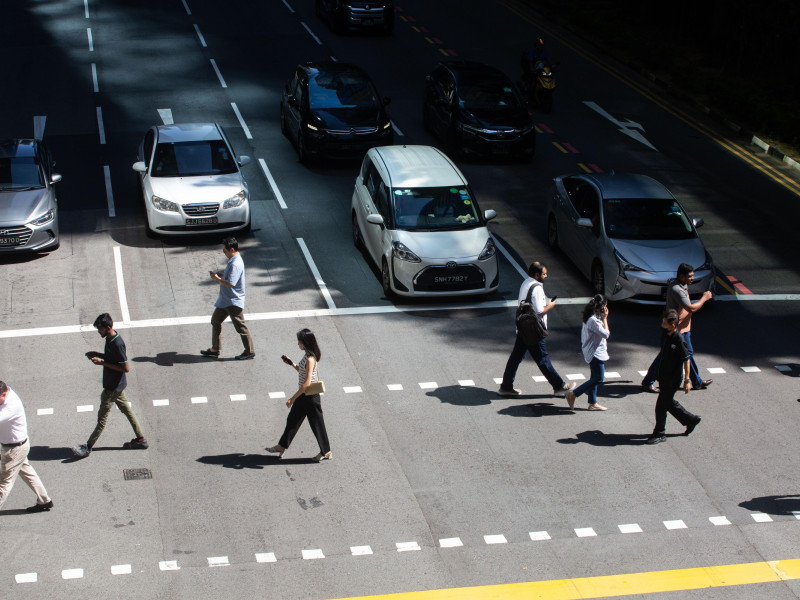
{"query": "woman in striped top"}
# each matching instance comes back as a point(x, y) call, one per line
point(303, 405)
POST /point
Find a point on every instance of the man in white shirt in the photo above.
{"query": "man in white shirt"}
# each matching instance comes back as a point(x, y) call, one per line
point(537, 273)
point(14, 451)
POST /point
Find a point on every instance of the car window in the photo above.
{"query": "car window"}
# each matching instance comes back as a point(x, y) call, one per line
point(300, 92)
point(487, 93)
point(445, 84)
point(438, 208)
point(192, 158)
point(382, 201)
point(646, 219)
point(365, 167)
point(584, 198)
point(149, 140)
point(372, 181)
point(345, 89)
point(19, 172)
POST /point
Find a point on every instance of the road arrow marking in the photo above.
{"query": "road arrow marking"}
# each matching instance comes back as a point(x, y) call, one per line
point(627, 127)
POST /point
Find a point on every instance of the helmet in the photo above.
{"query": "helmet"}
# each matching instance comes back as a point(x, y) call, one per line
point(538, 45)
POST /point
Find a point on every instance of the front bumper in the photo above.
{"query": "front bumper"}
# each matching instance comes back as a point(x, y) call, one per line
point(499, 144)
point(463, 277)
point(188, 223)
point(27, 238)
point(651, 288)
point(346, 144)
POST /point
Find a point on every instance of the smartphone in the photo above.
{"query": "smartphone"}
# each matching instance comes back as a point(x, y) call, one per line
point(286, 359)
point(554, 298)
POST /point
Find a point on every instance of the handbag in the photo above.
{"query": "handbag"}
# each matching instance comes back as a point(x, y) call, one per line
point(315, 387)
point(530, 325)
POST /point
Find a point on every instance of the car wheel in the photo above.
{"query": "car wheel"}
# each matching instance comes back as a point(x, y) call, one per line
point(598, 278)
point(386, 282)
point(552, 232)
point(358, 241)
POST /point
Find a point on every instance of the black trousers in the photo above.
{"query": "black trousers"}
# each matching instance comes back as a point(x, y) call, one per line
point(666, 403)
point(311, 407)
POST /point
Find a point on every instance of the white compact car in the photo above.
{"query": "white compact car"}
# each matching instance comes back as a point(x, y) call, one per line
point(415, 215)
point(191, 181)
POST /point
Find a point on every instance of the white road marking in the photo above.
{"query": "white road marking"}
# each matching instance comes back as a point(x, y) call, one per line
point(38, 126)
point(276, 395)
point(450, 542)
point(719, 520)
point(200, 35)
point(313, 554)
point(751, 369)
point(112, 210)
point(168, 565)
point(246, 129)
point(291, 10)
point(123, 299)
point(334, 59)
point(498, 380)
point(166, 116)
point(120, 569)
point(513, 262)
point(89, 35)
point(72, 574)
point(95, 82)
point(218, 561)
point(612, 375)
point(360, 550)
point(498, 538)
point(161, 402)
point(311, 33)
point(85, 408)
point(100, 127)
point(538, 378)
point(26, 577)
point(356, 389)
point(585, 532)
point(200, 400)
point(86, 8)
point(796, 514)
point(395, 387)
point(397, 129)
point(677, 524)
point(428, 385)
point(266, 557)
point(761, 517)
point(186, 6)
point(466, 382)
point(628, 127)
point(272, 183)
point(575, 376)
point(630, 528)
point(715, 370)
point(315, 272)
point(407, 546)
point(44, 411)
point(538, 536)
point(219, 75)
point(642, 373)
point(238, 397)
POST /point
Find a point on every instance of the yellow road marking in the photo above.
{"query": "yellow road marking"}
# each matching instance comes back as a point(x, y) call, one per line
point(584, 167)
point(615, 585)
point(724, 284)
point(560, 147)
point(443, 52)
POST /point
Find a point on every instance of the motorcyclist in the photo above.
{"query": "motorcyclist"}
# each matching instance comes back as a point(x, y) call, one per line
point(535, 56)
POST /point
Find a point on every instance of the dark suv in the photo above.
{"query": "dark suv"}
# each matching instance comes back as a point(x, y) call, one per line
point(475, 108)
point(357, 15)
point(333, 109)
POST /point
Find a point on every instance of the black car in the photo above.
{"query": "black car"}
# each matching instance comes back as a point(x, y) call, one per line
point(475, 108)
point(333, 109)
point(357, 15)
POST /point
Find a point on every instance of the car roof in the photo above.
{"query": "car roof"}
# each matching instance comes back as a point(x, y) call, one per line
point(462, 68)
point(417, 166)
point(17, 147)
point(627, 185)
point(314, 68)
point(188, 132)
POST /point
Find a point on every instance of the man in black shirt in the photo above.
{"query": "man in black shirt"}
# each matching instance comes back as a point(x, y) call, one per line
point(674, 359)
point(114, 361)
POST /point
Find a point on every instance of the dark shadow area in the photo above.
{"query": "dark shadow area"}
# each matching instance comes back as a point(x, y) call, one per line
point(459, 395)
point(170, 359)
point(794, 370)
point(65, 455)
point(240, 460)
point(539, 409)
point(13, 511)
point(595, 437)
point(774, 505)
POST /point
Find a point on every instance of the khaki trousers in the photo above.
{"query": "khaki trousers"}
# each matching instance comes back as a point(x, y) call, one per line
point(237, 316)
point(13, 462)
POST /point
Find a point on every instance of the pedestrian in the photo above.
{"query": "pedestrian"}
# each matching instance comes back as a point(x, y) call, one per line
point(14, 451)
point(114, 360)
point(230, 302)
point(537, 273)
point(678, 300)
point(304, 405)
point(594, 345)
point(674, 358)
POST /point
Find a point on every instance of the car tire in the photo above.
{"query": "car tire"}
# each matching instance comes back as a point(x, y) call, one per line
point(386, 279)
point(598, 278)
point(358, 241)
point(552, 232)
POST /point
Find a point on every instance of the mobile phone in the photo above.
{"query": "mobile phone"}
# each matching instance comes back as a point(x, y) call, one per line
point(554, 298)
point(286, 359)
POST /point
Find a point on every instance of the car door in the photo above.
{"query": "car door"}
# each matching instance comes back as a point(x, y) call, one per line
point(373, 234)
point(293, 106)
point(588, 240)
point(441, 113)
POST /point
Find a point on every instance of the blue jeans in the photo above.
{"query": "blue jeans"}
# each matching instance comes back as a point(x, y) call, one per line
point(539, 354)
point(694, 372)
point(597, 374)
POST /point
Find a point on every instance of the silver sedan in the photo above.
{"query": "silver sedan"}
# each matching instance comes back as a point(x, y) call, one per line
point(627, 233)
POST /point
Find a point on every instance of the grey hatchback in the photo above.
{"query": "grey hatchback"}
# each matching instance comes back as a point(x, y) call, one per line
point(627, 233)
point(28, 203)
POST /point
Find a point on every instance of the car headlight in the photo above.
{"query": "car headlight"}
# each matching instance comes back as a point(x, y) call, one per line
point(165, 205)
point(489, 250)
point(44, 219)
point(624, 265)
point(235, 201)
point(388, 124)
point(401, 252)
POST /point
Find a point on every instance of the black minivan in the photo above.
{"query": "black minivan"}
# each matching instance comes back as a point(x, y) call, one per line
point(357, 15)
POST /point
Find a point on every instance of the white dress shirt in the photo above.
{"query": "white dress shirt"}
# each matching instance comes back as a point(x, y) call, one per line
point(538, 298)
point(13, 425)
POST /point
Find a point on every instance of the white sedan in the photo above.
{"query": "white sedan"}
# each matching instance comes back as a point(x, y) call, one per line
point(191, 181)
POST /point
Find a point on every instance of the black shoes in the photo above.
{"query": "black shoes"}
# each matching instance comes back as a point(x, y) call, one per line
point(690, 427)
point(245, 356)
point(134, 444)
point(210, 353)
point(649, 387)
point(703, 384)
point(40, 507)
point(655, 439)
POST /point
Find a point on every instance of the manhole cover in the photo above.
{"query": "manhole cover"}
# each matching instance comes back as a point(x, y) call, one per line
point(131, 474)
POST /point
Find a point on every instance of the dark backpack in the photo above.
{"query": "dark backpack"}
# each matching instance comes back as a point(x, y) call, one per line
point(529, 323)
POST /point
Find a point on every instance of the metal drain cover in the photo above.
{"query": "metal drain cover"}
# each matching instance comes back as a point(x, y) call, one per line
point(131, 474)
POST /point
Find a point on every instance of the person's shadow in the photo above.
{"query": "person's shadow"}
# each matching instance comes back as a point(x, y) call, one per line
point(774, 505)
point(65, 455)
point(240, 460)
point(595, 437)
point(169, 359)
point(538, 409)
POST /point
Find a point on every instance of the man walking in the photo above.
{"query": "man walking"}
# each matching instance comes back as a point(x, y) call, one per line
point(114, 361)
point(679, 301)
point(230, 302)
point(674, 359)
point(537, 273)
point(14, 451)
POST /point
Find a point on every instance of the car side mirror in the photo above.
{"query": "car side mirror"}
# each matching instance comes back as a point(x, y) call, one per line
point(584, 222)
point(55, 178)
point(489, 214)
point(140, 167)
point(243, 160)
point(375, 219)
point(698, 223)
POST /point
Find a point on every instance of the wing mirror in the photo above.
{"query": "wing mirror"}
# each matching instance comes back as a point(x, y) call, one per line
point(55, 178)
point(489, 214)
point(375, 220)
point(698, 223)
point(243, 160)
point(584, 222)
point(140, 167)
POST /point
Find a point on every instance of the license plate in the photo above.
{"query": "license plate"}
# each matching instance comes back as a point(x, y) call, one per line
point(10, 241)
point(450, 279)
point(201, 221)
point(368, 22)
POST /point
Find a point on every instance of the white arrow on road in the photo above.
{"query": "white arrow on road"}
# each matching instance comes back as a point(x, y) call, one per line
point(628, 127)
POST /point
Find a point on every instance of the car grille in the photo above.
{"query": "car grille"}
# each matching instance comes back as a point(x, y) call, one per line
point(353, 131)
point(16, 231)
point(444, 279)
point(373, 12)
point(200, 210)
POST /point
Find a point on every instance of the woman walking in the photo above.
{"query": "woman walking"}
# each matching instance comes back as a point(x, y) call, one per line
point(594, 344)
point(304, 405)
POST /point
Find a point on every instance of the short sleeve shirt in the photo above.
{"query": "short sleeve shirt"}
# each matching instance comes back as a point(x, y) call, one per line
point(678, 299)
point(674, 352)
point(538, 298)
point(13, 425)
point(115, 354)
point(234, 274)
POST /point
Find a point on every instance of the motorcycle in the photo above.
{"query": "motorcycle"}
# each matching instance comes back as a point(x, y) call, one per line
point(538, 84)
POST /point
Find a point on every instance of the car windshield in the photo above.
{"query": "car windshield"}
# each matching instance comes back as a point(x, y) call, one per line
point(438, 208)
point(19, 172)
point(487, 94)
point(205, 157)
point(646, 219)
point(346, 89)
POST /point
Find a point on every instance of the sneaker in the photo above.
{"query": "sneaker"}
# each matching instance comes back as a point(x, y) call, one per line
point(570, 396)
point(690, 427)
point(245, 356)
point(596, 406)
point(567, 387)
point(210, 353)
point(512, 392)
point(40, 507)
point(320, 457)
point(134, 444)
point(655, 439)
point(81, 450)
point(649, 387)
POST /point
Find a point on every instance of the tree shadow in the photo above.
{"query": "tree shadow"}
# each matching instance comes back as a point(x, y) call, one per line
point(774, 505)
point(595, 437)
point(240, 460)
